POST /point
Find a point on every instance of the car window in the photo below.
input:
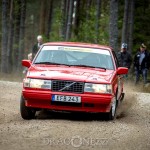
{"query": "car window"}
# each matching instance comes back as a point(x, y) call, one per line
point(88, 57)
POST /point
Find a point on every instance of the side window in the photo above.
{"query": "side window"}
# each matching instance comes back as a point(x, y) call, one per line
point(116, 60)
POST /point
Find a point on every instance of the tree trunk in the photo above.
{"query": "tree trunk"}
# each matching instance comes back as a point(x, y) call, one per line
point(63, 19)
point(22, 33)
point(50, 17)
point(66, 16)
point(77, 18)
point(69, 22)
point(17, 16)
point(113, 25)
point(131, 24)
point(10, 38)
point(88, 6)
point(42, 16)
point(4, 36)
point(125, 23)
point(98, 13)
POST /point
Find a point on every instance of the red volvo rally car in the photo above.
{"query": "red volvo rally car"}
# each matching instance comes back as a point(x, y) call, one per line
point(69, 76)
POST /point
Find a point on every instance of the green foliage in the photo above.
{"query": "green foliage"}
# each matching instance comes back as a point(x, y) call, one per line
point(55, 33)
point(141, 26)
point(104, 29)
point(87, 31)
point(141, 23)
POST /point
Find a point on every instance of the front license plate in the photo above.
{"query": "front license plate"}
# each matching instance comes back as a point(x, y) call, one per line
point(63, 98)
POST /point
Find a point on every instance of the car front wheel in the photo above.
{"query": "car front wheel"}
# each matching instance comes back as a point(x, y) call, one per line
point(111, 115)
point(26, 113)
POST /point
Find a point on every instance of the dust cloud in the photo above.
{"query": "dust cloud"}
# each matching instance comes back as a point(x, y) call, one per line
point(131, 94)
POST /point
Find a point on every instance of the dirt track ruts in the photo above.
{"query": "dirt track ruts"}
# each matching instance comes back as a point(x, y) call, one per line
point(130, 131)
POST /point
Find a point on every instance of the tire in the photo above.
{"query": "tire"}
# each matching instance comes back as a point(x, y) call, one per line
point(112, 114)
point(26, 113)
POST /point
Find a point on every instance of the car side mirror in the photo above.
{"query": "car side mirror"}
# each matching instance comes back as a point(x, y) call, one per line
point(122, 70)
point(26, 63)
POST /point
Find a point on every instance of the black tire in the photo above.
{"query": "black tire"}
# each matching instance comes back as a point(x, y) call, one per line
point(26, 112)
point(112, 114)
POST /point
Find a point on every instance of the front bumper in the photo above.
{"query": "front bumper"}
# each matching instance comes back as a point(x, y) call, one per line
point(90, 102)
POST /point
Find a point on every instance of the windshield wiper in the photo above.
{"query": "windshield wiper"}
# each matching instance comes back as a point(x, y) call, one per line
point(80, 65)
point(50, 63)
point(89, 66)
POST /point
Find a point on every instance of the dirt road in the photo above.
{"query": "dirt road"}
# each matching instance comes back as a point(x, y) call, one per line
point(130, 131)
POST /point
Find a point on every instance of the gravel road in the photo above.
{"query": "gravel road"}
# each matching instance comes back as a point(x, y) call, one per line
point(53, 130)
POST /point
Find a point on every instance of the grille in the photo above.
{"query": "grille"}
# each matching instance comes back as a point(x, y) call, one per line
point(67, 86)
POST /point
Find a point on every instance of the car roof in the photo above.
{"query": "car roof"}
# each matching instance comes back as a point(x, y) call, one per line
point(78, 44)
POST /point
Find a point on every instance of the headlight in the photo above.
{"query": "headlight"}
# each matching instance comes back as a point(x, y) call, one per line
point(37, 83)
point(98, 88)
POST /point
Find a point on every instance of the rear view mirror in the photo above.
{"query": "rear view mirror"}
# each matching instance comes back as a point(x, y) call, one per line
point(122, 70)
point(26, 63)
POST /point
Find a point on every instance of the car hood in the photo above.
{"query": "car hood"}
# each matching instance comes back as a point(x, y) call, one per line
point(82, 74)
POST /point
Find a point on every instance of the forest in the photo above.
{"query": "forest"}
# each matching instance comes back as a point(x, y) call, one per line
point(105, 22)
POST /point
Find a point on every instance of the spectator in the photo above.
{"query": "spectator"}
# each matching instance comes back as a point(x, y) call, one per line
point(30, 56)
point(37, 46)
point(124, 57)
point(141, 64)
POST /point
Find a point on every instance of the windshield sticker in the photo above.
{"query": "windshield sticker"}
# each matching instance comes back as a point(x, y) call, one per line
point(80, 49)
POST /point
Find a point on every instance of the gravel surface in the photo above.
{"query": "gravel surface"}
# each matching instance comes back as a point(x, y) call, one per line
point(53, 130)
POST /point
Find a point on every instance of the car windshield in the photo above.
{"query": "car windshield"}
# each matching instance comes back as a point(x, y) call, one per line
point(75, 56)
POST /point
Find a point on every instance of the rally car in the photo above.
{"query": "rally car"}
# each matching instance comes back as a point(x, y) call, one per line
point(74, 77)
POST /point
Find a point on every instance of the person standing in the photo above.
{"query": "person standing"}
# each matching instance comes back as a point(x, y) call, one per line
point(141, 63)
point(37, 46)
point(124, 57)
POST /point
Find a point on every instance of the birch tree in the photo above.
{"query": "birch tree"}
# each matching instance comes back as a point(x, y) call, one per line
point(69, 21)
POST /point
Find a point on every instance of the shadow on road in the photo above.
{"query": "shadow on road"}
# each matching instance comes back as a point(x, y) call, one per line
point(73, 116)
